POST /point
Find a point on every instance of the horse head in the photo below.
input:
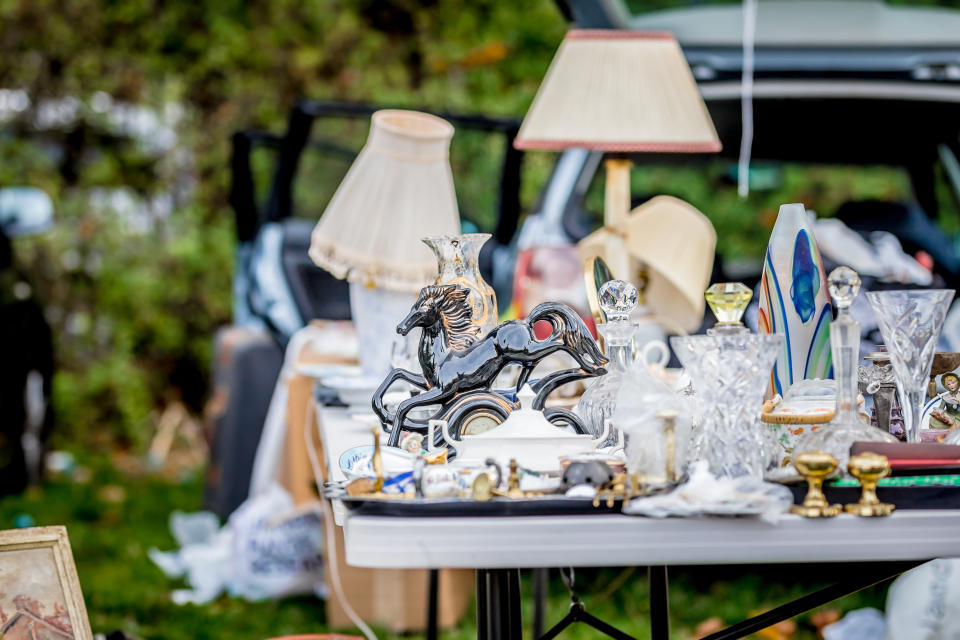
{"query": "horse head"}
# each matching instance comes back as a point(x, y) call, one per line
point(445, 306)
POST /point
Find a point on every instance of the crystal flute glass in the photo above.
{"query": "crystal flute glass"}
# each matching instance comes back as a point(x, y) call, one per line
point(910, 322)
point(730, 374)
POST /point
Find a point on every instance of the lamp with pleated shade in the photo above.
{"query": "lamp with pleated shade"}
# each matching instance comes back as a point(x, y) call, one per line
point(398, 190)
point(621, 92)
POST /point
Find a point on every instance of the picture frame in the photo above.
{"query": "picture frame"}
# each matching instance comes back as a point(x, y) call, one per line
point(40, 594)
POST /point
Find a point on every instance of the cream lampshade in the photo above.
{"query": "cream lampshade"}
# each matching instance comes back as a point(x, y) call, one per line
point(398, 190)
point(621, 92)
point(677, 265)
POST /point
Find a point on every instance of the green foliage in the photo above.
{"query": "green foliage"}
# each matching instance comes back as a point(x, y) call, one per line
point(134, 298)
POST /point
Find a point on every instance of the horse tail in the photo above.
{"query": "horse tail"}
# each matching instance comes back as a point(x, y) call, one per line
point(569, 330)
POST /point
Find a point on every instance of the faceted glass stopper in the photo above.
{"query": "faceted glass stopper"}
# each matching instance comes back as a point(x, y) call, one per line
point(844, 285)
point(728, 301)
point(617, 299)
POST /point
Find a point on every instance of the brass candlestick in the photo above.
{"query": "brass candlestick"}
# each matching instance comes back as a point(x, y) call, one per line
point(669, 419)
point(815, 466)
point(868, 468)
point(377, 461)
point(513, 483)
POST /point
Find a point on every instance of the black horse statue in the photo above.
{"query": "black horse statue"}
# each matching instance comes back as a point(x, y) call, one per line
point(459, 367)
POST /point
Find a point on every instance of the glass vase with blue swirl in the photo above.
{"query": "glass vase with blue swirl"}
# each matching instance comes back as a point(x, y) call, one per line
point(794, 301)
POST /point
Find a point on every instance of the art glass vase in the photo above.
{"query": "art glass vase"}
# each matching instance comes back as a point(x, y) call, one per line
point(729, 374)
point(457, 264)
point(910, 321)
point(794, 302)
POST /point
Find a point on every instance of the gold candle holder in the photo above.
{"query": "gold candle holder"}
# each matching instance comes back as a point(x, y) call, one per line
point(669, 419)
point(377, 462)
point(868, 468)
point(815, 466)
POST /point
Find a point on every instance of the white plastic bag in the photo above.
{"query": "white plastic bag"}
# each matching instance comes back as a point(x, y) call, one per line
point(924, 604)
point(277, 551)
point(266, 550)
point(861, 624)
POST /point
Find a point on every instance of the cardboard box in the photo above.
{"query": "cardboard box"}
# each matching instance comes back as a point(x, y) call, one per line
point(395, 599)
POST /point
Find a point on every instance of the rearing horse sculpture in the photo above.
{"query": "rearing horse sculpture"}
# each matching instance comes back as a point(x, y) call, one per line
point(456, 361)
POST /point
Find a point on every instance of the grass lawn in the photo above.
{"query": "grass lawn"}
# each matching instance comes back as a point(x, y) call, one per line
point(114, 517)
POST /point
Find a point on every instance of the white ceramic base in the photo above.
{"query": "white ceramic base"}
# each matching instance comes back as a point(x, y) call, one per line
point(376, 314)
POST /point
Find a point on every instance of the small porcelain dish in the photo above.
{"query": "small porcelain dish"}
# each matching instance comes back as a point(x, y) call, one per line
point(357, 462)
point(322, 370)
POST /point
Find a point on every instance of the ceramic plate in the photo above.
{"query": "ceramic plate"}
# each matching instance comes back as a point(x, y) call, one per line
point(353, 390)
point(319, 370)
point(357, 462)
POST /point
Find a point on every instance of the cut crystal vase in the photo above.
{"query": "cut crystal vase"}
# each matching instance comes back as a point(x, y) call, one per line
point(730, 373)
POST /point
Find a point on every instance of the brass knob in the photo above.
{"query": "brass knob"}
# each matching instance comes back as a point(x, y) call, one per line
point(815, 466)
point(868, 468)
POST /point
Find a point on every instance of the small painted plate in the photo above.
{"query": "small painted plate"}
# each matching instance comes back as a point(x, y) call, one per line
point(357, 462)
point(355, 391)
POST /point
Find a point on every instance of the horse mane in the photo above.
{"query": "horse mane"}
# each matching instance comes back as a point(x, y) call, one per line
point(456, 314)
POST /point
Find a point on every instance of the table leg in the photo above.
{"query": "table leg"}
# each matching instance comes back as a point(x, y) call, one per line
point(498, 604)
point(659, 602)
point(539, 600)
point(432, 597)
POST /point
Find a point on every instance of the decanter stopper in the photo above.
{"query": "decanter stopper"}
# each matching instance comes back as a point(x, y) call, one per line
point(618, 299)
point(728, 301)
point(844, 285)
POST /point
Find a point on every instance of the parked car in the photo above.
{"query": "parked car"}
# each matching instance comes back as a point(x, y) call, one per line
point(841, 84)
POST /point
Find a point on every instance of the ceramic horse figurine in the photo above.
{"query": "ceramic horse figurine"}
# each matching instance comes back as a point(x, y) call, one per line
point(455, 361)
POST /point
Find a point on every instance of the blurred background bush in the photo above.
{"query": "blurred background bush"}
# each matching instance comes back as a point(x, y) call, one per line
point(123, 112)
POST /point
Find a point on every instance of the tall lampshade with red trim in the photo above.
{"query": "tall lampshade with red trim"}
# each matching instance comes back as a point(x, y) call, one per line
point(626, 91)
point(619, 92)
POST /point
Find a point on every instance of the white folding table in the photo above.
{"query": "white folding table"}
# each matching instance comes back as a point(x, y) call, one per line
point(498, 547)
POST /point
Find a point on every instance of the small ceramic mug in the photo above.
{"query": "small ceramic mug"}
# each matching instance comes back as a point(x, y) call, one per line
point(452, 480)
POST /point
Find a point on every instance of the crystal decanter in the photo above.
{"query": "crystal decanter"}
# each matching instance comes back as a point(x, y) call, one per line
point(839, 434)
point(618, 299)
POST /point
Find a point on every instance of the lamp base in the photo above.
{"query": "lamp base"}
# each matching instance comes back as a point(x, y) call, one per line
point(376, 313)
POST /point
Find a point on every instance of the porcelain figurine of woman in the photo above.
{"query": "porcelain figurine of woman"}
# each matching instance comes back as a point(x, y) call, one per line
point(947, 414)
